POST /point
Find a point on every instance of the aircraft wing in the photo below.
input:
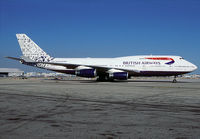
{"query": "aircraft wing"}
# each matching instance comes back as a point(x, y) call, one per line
point(97, 67)
point(70, 65)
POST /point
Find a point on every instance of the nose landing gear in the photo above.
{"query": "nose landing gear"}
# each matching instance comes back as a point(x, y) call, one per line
point(174, 81)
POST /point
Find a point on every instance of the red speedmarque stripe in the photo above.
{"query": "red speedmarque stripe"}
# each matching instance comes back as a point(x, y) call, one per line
point(160, 58)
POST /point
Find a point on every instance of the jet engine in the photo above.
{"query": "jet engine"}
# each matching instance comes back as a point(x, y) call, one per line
point(118, 74)
point(83, 71)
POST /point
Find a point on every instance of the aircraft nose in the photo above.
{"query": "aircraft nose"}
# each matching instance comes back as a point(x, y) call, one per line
point(194, 67)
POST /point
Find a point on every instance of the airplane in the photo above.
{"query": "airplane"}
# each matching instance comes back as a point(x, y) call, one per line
point(105, 69)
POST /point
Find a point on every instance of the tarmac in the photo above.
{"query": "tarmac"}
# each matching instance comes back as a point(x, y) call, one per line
point(85, 109)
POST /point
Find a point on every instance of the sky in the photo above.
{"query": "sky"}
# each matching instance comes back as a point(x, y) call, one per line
point(101, 28)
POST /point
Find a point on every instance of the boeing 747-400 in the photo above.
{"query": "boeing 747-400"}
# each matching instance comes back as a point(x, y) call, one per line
point(119, 68)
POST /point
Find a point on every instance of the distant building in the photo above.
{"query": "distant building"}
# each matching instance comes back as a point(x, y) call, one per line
point(192, 76)
point(43, 74)
point(8, 72)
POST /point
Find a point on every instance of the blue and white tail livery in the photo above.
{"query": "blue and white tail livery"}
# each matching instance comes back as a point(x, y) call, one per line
point(120, 68)
point(32, 50)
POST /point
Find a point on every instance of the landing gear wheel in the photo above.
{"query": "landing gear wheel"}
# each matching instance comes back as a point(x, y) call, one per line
point(174, 81)
point(102, 79)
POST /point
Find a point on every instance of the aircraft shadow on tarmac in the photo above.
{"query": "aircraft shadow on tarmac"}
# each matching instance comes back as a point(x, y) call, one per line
point(117, 81)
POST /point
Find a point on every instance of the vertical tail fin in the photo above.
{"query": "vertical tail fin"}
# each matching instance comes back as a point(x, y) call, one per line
point(32, 50)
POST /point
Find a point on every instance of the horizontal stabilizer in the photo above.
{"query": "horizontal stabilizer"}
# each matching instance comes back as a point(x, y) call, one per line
point(23, 58)
point(14, 58)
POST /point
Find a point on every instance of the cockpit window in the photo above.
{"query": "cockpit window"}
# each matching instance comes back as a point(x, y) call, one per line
point(181, 58)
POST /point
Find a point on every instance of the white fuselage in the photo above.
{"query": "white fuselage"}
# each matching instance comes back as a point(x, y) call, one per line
point(155, 65)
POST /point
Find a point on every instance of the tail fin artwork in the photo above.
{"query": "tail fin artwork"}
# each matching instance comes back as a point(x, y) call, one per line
point(31, 50)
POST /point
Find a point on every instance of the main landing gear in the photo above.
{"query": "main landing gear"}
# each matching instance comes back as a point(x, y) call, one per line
point(174, 81)
point(104, 78)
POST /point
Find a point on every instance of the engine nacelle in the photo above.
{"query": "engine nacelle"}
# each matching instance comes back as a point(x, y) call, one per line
point(118, 74)
point(85, 72)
